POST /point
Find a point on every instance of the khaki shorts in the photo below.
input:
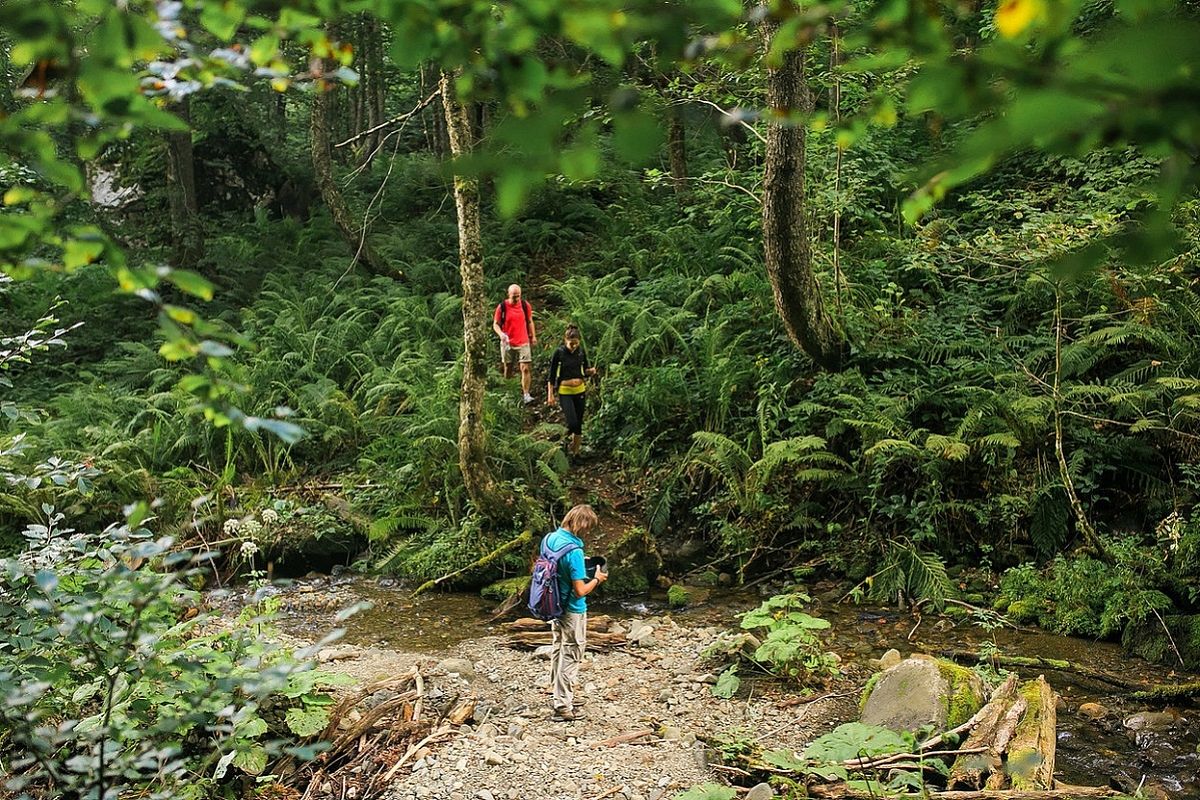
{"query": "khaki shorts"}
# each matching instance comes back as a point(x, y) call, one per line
point(521, 354)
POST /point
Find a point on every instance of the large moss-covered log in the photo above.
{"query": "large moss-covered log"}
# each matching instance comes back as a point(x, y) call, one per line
point(1030, 763)
point(970, 769)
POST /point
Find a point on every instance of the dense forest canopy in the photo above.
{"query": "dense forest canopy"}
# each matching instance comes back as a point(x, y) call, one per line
point(899, 289)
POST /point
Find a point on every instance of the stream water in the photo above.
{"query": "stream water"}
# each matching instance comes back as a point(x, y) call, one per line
point(1133, 744)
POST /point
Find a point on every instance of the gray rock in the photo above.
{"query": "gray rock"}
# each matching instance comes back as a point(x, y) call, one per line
point(545, 651)
point(494, 759)
point(1150, 721)
point(671, 733)
point(647, 641)
point(484, 794)
point(911, 695)
point(890, 659)
point(760, 791)
point(456, 666)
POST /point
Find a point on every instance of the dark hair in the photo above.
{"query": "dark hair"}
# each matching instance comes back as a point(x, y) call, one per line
point(572, 332)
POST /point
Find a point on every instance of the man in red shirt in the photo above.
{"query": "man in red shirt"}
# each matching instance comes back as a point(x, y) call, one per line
point(513, 323)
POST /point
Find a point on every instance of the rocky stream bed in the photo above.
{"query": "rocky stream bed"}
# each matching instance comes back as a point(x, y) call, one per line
point(650, 709)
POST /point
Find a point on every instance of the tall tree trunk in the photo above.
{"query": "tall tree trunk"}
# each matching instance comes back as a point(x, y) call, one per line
point(472, 436)
point(786, 245)
point(439, 142)
point(355, 235)
point(181, 189)
point(677, 153)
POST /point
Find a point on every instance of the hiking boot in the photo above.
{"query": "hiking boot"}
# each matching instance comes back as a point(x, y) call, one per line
point(527, 399)
point(566, 715)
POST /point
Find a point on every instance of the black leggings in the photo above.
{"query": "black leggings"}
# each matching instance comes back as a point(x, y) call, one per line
point(573, 406)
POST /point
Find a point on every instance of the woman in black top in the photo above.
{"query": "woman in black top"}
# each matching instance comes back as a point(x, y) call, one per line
point(568, 368)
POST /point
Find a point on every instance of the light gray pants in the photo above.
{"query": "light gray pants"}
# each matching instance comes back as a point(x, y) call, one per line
point(569, 634)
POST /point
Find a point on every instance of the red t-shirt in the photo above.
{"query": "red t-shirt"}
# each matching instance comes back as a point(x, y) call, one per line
point(514, 322)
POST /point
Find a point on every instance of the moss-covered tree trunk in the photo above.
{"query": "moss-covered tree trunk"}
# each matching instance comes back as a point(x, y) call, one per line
point(356, 235)
point(787, 250)
point(181, 191)
point(472, 435)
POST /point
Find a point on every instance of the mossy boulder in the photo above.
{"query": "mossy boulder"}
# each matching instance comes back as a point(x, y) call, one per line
point(679, 596)
point(633, 562)
point(967, 693)
point(1027, 609)
point(922, 692)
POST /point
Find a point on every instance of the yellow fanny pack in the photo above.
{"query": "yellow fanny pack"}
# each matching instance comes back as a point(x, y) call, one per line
point(578, 389)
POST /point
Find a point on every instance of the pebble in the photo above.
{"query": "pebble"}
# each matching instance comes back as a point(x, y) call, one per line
point(761, 791)
point(484, 794)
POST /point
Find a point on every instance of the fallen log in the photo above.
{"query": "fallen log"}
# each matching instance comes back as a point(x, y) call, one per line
point(1060, 792)
point(1040, 662)
point(1030, 764)
point(969, 770)
point(1163, 691)
point(530, 640)
point(600, 623)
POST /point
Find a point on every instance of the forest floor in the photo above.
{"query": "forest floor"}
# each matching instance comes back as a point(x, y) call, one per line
point(513, 750)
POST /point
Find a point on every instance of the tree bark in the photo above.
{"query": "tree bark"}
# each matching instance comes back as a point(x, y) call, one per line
point(355, 235)
point(472, 436)
point(181, 189)
point(786, 245)
point(677, 153)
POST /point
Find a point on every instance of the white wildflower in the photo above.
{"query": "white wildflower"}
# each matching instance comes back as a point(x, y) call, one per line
point(251, 528)
point(270, 516)
point(248, 549)
point(231, 526)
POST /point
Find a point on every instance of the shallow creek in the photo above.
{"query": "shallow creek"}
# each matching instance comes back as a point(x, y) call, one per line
point(1161, 750)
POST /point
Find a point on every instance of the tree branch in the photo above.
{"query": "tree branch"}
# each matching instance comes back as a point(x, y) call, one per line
point(416, 110)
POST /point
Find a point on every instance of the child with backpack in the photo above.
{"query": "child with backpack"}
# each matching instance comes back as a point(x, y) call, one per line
point(557, 593)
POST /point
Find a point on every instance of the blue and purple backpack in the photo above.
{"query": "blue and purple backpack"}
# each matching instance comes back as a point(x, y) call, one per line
point(545, 597)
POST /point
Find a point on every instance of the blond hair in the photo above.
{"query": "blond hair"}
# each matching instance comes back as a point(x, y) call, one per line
point(580, 519)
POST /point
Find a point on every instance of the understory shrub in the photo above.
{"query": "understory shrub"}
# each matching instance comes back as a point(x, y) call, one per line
point(115, 682)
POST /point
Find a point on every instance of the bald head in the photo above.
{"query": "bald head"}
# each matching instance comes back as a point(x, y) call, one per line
point(514, 293)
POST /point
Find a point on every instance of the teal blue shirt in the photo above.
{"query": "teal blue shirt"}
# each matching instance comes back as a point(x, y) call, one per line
point(570, 568)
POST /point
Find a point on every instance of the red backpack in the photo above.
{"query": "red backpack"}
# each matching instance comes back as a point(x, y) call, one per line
point(503, 311)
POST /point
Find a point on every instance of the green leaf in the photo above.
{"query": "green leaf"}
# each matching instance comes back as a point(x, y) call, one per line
point(252, 760)
point(190, 282)
point(222, 20)
point(305, 721)
point(727, 683)
point(251, 728)
point(855, 739)
point(81, 252)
